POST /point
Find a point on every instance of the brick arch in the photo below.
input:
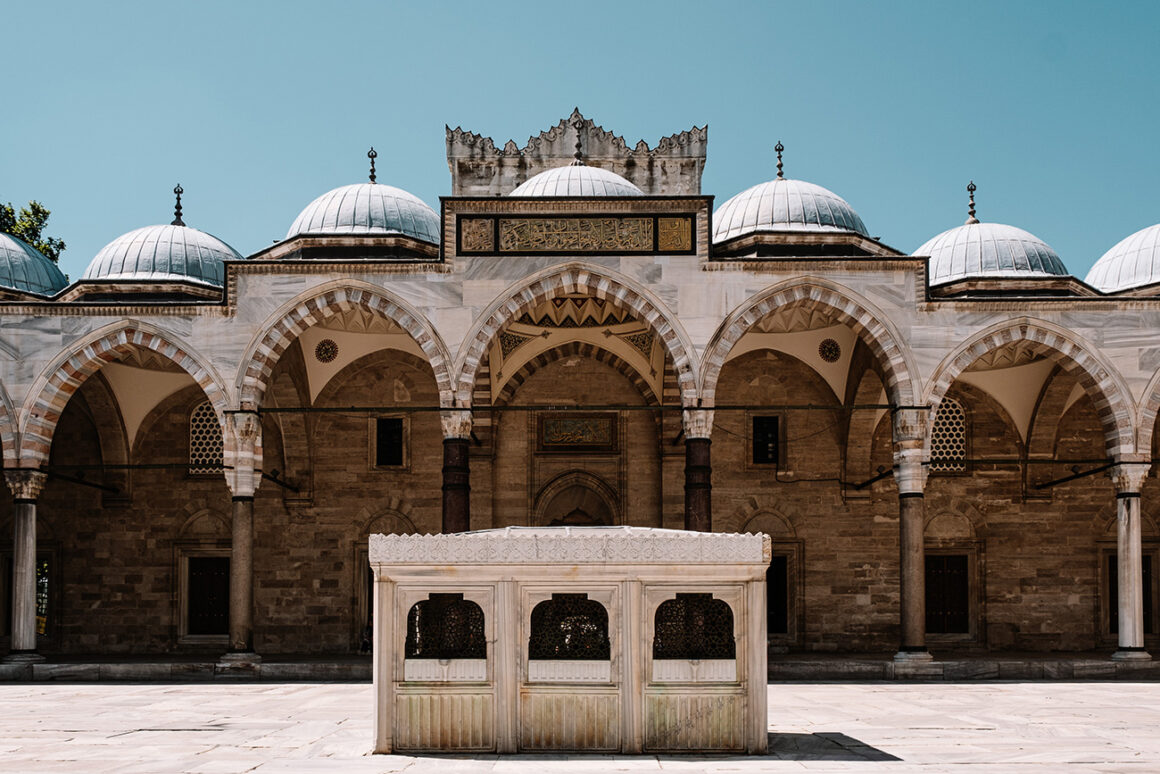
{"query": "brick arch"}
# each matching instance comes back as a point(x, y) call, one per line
point(570, 349)
point(66, 373)
point(1099, 378)
point(577, 278)
point(871, 325)
point(319, 304)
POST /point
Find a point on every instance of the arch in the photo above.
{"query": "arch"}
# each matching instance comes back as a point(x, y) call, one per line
point(570, 349)
point(9, 436)
point(206, 523)
point(576, 278)
point(871, 324)
point(283, 328)
point(1099, 378)
point(389, 520)
point(1148, 412)
point(575, 479)
point(764, 519)
point(67, 372)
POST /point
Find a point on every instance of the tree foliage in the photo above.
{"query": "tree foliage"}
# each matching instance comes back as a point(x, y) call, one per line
point(28, 224)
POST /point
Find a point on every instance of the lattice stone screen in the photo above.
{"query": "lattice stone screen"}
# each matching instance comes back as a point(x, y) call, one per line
point(205, 440)
point(948, 438)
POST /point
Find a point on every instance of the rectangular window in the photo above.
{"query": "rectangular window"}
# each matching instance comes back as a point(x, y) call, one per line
point(765, 440)
point(948, 600)
point(390, 442)
point(208, 601)
point(1114, 595)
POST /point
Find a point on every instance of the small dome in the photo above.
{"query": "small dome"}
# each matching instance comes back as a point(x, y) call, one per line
point(23, 267)
point(1133, 262)
point(577, 180)
point(989, 250)
point(176, 253)
point(785, 205)
point(368, 208)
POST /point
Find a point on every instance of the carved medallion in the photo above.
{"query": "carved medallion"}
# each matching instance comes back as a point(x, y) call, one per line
point(326, 351)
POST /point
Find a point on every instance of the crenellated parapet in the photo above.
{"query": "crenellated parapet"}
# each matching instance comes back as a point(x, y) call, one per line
point(672, 168)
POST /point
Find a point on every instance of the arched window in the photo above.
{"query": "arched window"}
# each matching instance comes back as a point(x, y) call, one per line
point(205, 440)
point(445, 626)
point(948, 438)
point(569, 627)
point(694, 626)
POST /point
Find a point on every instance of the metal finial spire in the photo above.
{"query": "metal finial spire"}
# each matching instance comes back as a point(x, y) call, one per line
point(779, 148)
point(578, 157)
point(177, 221)
point(372, 156)
point(971, 206)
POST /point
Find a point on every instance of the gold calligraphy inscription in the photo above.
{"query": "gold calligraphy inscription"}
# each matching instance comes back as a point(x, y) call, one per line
point(583, 432)
point(674, 234)
point(477, 235)
point(569, 235)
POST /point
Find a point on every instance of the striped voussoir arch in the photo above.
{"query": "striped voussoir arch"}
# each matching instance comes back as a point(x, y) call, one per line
point(7, 432)
point(71, 373)
point(1099, 382)
point(579, 281)
point(873, 332)
point(314, 310)
point(571, 349)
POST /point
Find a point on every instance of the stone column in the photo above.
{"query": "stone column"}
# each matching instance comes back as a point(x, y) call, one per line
point(698, 425)
point(910, 475)
point(1129, 479)
point(243, 474)
point(25, 486)
point(456, 470)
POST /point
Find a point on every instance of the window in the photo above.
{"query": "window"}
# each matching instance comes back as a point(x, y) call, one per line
point(569, 627)
point(1150, 597)
point(389, 446)
point(694, 626)
point(445, 626)
point(948, 438)
point(948, 601)
point(765, 440)
point(205, 440)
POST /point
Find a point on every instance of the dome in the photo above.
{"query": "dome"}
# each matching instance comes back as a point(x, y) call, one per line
point(173, 252)
point(1133, 262)
point(989, 250)
point(785, 205)
point(370, 209)
point(577, 180)
point(23, 267)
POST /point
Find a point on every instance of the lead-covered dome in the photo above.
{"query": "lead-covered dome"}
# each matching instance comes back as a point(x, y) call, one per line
point(368, 209)
point(783, 204)
point(1131, 263)
point(989, 250)
point(576, 180)
point(175, 252)
point(23, 267)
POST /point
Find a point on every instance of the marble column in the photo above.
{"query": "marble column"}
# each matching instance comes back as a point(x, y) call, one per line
point(456, 470)
point(243, 459)
point(698, 425)
point(26, 486)
point(909, 427)
point(1129, 479)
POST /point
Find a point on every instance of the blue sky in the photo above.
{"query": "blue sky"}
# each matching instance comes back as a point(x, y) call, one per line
point(258, 107)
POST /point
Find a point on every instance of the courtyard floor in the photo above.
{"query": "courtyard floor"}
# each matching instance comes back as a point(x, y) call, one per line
point(88, 728)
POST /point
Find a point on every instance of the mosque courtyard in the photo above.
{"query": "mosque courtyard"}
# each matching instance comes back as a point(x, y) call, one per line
point(326, 727)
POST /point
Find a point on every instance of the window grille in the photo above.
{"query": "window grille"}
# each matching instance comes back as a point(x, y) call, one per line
point(445, 626)
point(569, 627)
point(694, 626)
point(389, 442)
point(765, 440)
point(205, 440)
point(948, 438)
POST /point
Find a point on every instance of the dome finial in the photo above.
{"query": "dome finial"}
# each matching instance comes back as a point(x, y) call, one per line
point(779, 148)
point(971, 219)
point(578, 157)
point(177, 221)
point(372, 155)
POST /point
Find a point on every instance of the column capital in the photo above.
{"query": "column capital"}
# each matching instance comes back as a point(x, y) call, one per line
point(697, 422)
point(456, 423)
point(1129, 477)
point(909, 426)
point(909, 471)
point(25, 484)
point(242, 452)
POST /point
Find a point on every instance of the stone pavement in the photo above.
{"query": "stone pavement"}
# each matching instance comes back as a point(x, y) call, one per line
point(89, 728)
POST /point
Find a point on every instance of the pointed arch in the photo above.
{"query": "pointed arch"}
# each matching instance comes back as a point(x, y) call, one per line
point(569, 349)
point(872, 326)
point(57, 383)
point(1102, 382)
point(576, 278)
point(9, 435)
point(1149, 410)
point(319, 303)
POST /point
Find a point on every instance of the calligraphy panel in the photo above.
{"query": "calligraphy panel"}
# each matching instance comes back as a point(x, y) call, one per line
point(574, 432)
point(477, 235)
point(575, 235)
point(674, 235)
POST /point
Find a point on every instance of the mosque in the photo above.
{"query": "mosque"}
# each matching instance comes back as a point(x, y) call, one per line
point(951, 450)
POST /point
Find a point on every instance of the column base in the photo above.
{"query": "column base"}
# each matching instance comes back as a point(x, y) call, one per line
point(1131, 654)
point(913, 656)
point(22, 657)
